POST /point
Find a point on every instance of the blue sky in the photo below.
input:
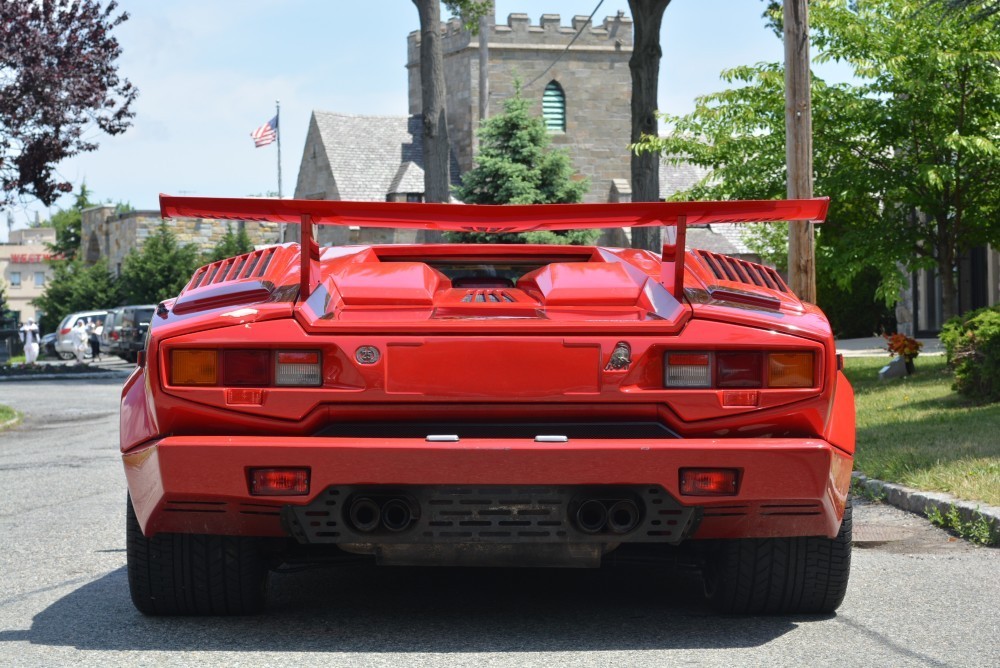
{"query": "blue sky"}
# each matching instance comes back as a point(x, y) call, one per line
point(209, 72)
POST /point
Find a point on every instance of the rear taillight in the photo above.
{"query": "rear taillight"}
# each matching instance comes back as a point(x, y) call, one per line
point(298, 368)
point(246, 368)
point(279, 482)
point(709, 482)
point(194, 367)
point(64, 331)
point(688, 370)
point(739, 369)
point(790, 370)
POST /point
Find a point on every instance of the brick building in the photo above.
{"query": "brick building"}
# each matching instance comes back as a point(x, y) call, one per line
point(24, 268)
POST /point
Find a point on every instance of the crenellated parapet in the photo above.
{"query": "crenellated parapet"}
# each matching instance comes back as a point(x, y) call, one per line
point(613, 34)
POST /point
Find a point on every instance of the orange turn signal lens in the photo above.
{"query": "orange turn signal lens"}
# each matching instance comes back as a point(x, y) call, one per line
point(790, 370)
point(709, 482)
point(194, 367)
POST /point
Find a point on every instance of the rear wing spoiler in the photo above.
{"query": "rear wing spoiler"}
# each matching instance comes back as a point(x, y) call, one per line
point(492, 219)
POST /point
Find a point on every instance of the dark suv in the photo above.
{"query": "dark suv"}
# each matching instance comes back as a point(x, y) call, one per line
point(134, 321)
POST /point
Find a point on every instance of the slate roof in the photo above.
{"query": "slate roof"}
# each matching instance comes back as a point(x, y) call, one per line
point(371, 155)
point(726, 239)
point(674, 178)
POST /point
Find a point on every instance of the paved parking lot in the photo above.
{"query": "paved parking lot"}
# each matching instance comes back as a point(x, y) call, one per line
point(920, 598)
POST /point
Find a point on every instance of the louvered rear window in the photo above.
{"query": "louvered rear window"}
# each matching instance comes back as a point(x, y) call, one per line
point(554, 108)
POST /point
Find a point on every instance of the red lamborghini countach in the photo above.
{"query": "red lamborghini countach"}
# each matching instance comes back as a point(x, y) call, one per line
point(497, 405)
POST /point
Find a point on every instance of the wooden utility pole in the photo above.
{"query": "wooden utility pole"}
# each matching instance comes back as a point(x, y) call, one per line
point(798, 146)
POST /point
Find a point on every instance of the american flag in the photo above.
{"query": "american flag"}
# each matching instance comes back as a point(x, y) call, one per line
point(266, 133)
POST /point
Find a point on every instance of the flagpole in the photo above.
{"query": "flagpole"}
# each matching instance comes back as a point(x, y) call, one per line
point(277, 115)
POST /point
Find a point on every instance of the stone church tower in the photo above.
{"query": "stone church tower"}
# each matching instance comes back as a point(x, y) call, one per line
point(583, 93)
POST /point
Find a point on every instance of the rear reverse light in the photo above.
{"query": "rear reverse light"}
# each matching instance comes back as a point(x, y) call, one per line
point(688, 370)
point(709, 482)
point(246, 368)
point(194, 367)
point(279, 482)
point(298, 367)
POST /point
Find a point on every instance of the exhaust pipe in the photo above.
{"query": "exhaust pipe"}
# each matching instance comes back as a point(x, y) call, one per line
point(396, 515)
point(364, 514)
point(623, 516)
point(591, 516)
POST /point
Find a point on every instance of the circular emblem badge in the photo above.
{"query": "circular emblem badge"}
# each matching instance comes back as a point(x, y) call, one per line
point(367, 355)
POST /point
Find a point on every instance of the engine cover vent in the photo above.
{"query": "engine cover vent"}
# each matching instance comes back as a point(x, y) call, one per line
point(727, 268)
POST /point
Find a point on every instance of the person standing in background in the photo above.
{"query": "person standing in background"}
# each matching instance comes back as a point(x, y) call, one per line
point(29, 337)
point(78, 335)
point(94, 330)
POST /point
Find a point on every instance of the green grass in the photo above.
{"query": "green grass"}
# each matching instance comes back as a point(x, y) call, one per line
point(917, 432)
point(6, 415)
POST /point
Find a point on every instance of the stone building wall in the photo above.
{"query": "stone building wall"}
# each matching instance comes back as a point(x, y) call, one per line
point(594, 76)
point(109, 235)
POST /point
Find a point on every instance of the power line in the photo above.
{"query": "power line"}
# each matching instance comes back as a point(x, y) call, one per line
point(571, 42)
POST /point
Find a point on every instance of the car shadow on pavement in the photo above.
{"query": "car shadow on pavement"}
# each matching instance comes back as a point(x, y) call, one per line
point(367, 609)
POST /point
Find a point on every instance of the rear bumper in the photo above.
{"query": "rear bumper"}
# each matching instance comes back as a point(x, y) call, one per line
point(789, 487)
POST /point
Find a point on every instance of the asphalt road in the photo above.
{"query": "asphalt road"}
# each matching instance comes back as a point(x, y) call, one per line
point(922, 599)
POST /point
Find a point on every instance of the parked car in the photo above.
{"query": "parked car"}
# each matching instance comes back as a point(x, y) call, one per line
point(488, 405)
point(48, 345)
point(64, 342)
point(134, 321)
point(111, 333)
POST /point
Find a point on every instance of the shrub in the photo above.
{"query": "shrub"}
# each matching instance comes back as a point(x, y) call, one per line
point(972, 342)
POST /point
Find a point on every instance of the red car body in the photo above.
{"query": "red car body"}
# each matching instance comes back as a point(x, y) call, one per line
point(384, 400)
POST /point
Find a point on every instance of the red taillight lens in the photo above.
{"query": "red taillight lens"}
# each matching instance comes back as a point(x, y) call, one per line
point(64, 331)
point(709, 482)
point(246, 368)
point(739, 369)
point(279, 482)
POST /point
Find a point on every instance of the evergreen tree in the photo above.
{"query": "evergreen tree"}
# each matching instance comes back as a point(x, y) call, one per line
point(515, 166)
point(231, 244)
point(160, 269)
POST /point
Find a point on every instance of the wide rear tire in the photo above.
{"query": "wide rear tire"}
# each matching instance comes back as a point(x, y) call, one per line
point(193, 574)
point(780, 575)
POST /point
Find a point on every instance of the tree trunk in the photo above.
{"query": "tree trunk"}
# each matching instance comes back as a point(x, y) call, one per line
point(647, 15)
point(946, 262)
point(437, 185)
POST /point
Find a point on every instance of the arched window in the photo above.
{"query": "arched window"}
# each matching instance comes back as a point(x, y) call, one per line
point(554, 108)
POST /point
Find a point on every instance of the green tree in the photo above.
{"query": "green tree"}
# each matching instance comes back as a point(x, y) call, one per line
point(76, 286)
point(68, 225)
point(231, 244)
point(910, 154)
point(515, 166)
point(160, 269)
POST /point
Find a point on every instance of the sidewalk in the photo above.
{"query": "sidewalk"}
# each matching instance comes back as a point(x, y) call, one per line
point(874, 346)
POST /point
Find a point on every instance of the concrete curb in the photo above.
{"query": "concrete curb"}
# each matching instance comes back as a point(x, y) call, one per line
point(916, 501)
point(68, 376)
